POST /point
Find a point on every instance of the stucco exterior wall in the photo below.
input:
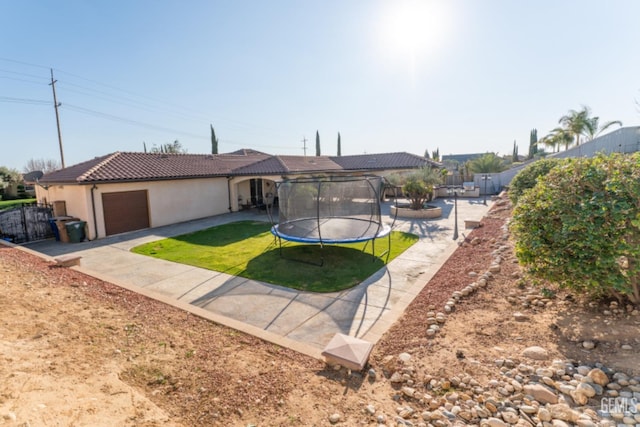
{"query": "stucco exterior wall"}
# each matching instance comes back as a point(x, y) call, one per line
point(76, 197)
point(183, 200)
point(170, 202)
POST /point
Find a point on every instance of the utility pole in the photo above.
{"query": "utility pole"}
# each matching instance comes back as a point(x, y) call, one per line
point(304, 145)
point(56, 105)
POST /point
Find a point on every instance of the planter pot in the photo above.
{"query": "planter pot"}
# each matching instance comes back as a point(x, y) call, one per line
point(425, 213)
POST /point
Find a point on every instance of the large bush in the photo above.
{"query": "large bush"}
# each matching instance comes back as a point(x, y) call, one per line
point(418, 186)
point(528, 176)
point(579, 226)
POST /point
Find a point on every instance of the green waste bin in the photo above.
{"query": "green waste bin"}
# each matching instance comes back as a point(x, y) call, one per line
point(75, 230)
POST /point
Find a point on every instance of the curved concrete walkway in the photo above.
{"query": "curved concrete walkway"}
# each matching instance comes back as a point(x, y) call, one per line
point(303, 321)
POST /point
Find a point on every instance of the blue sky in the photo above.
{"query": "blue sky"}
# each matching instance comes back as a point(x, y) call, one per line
point(461, 76)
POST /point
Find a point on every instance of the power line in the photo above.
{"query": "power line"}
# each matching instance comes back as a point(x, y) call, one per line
point(128, 121)
point(115, 95)
point(21, 74)
point(24, 100)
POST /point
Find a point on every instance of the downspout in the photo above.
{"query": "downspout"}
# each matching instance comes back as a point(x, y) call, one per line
point(93, 208)
point(229, 191)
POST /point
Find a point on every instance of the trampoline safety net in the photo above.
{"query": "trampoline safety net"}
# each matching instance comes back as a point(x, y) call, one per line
point(330, 209)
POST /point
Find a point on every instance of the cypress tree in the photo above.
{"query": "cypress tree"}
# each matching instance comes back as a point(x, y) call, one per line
point(214, 141)
point(533, 143)
point(317, 143)
point(514, 156)
point(426, 154)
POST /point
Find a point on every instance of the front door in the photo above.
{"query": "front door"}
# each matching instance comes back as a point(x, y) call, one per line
point(256, 192)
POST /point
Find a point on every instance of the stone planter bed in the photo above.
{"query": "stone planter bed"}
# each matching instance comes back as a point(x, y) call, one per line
point(403, 211)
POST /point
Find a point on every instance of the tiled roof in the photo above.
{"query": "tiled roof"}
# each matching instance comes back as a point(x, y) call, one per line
point(119, 167)
point(123, 167)
point(303, 164)
point(383, 161)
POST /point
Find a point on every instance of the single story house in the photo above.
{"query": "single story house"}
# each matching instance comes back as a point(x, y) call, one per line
point(125, 191)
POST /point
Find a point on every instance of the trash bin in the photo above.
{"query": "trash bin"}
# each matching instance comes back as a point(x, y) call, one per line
point(61, 222)
point(75, 230)
point(54, 228)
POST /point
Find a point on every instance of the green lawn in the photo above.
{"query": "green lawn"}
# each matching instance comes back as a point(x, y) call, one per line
point(248, 249)
point(7, 204)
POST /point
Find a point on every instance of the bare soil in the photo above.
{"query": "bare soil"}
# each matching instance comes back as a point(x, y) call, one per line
point(77, 351)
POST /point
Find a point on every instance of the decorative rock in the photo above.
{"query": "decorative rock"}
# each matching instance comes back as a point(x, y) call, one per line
point(544, 372)
point(509, 417)
point(404, 357)
point(536, 353)
point(583, 370)
point(405, 412)
point(520, 317)
point(598, 376)
point(540, 393)
point(372, 374)
point(588, 345)
point(465, 415)
point(614, 386)
point(408, 391)
point(586, 389)
point(563, 412)
point(579, 398)
point(528, 409)
point(334, 418)
point(396, 377)
point(494, 268)
point(491, 407)
point(626, 347)
point(496, 422)
point(544, 415)
point(370, 409)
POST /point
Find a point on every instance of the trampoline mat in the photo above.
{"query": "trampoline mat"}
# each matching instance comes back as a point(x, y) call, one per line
point(330, 230)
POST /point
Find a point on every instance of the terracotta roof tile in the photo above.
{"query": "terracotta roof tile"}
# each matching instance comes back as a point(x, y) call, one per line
point(301, 164)
point(123, 166)
point(383, 161)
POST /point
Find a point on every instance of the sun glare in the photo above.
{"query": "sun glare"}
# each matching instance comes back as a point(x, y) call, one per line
point(412, 29)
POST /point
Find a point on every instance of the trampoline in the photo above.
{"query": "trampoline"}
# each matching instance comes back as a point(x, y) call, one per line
point(330, 210)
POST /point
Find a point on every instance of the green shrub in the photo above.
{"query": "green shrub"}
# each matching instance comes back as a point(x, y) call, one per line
point(418, 186)
point(579, 226)
point(527, 177)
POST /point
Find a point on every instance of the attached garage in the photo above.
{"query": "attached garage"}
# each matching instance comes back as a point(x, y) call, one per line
point(125, 211)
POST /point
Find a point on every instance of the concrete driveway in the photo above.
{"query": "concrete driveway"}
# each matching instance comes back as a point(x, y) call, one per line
point(303, 321)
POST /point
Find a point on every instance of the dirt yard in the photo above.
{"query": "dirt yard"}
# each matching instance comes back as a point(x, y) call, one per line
point(76, 351)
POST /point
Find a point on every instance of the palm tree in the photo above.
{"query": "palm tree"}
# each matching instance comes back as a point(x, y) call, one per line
point(556, 138)
point(576, 122)
point(487, 163)
point(594, 129)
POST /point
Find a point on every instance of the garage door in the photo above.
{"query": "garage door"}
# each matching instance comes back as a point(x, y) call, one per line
point(125, 211)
